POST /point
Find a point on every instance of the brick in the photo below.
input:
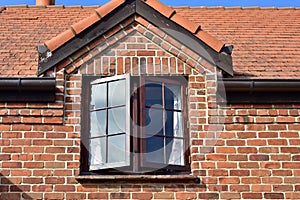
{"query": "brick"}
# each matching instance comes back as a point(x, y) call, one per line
point(261, 188)
point(274, 196)
point(11, 150)
point(10, 196)
point(32, 195)
point(33, 180)
point(142, 195)
point(252, 195)
point(218, 173)
point(292, 165)
point(239, 172)
point(271, 180)
point(119, 195)
point(229, 180)
point(282, 172)
point(239, 188)
point(282, 188)
point(261, 172)
point(237, 157)
point(54, 195)
point(248, 165)
point(54, 180)
point(33, 164)
point(21, 172)
point(259, 157)
point(292, 195)
point(270, 165)
point(3, 189)
point(268, 135)
point(250, 180)
point(292, 150)
point(64, 188)
point(98, 195)
point(208, 195)
point(230, 196)
point(247, 150)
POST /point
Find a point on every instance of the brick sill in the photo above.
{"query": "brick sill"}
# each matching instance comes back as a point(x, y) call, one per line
point(138, 178)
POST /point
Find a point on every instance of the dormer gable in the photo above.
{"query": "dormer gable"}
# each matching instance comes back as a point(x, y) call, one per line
point(80, 35)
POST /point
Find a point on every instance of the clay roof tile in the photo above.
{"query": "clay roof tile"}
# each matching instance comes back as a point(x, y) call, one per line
point(110, 6)
point(85, 23)
point(60, 39)
point(187, 24)
point(211, 41)
point(160, 7)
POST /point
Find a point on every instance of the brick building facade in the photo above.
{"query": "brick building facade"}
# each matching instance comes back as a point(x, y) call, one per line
point(239, 118)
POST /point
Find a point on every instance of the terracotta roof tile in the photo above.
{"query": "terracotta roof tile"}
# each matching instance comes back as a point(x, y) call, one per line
point(189, 25)
point(160, 7)
point(85, 23)
point(59, 40)
point(210, 40)
point(110, 6)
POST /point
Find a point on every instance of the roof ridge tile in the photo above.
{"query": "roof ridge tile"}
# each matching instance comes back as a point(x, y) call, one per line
point(85, 23)
point(251, 8)
point(160, 7)
point(60, 39)
point(189, 25)
point(110, 6)
point(17, 6)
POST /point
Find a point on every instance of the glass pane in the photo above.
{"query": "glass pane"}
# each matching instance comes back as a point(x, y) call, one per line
point(116, 93)
point(175, 151)
point(117, 120)
point(116, 148)
point(98, 97)
point(155, 149)
point(174, 124)
point(98, 123)
point(153, 94)
point(97, 151)
point(172, 97)
point(154, 121)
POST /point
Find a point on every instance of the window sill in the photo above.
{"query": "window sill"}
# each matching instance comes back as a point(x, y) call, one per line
point(139, 178)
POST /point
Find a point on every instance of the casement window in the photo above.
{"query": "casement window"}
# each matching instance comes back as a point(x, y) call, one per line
point(134, 125)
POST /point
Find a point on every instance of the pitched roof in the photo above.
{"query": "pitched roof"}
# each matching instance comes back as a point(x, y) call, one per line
point(266, 40)
point(101, 12)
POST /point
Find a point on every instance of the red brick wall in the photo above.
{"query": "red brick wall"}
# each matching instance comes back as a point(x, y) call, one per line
point(238, 151)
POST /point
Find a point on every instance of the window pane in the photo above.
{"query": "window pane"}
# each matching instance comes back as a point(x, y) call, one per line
point(97, 151)
point(155, 149)
point(116, 93)
point(116, 120)
point(153, 94)
point(98, 97)
point(175, 151)
point(172, 97)
point(174, 124)
point(98, 123)
point(116, 148)
point(154, 121)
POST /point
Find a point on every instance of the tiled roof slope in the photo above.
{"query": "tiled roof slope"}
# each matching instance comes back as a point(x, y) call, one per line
point(266, 41)
point(23, 28)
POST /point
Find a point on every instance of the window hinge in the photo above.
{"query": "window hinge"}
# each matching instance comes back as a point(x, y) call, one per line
point(187, 91)
point(190, 159)
point(188, 124)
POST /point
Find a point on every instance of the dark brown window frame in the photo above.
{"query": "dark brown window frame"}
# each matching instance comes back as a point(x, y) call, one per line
point(136, 102)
